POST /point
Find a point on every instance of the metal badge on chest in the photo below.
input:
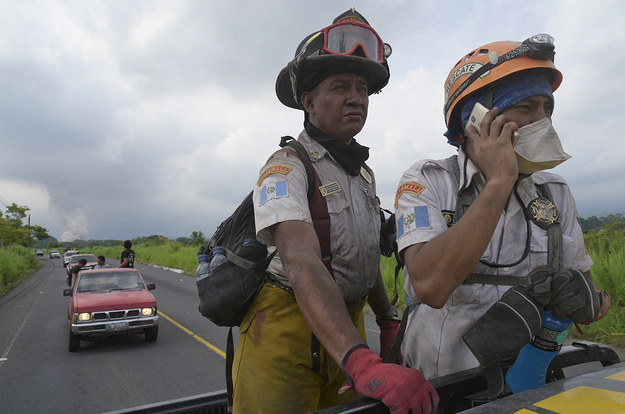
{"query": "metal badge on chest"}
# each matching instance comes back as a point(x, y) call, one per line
point(543, 212)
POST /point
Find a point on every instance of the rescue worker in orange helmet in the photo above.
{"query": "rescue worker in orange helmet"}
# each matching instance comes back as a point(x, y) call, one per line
point(472, 226)
point(302, 339)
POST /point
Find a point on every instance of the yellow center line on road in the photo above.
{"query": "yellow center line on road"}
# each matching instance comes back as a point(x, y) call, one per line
point(194, 336)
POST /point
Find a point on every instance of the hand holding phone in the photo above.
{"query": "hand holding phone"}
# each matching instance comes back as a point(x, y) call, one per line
point(477, 114)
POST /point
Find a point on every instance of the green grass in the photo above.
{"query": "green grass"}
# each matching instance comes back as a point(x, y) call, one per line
point(16, 264)
point(607, 249)
point(168, 254)
point(394, 288)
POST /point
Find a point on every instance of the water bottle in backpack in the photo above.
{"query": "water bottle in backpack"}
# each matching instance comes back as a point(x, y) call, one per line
point(219, 257)
point(202, 267)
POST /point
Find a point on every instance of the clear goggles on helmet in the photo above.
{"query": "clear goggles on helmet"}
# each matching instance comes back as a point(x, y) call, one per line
point(345, 37)
point(539, 47)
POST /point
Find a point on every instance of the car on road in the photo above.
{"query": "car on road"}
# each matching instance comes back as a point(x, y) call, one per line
point(54, 254)
point(92, 262)
point(67, 255)
point(39, 252)
point(113, 301)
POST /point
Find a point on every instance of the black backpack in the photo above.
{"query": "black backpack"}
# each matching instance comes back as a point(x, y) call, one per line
point(228, 290)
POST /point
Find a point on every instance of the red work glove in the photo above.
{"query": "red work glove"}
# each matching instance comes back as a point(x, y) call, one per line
point(388, 332)
point(403, 390)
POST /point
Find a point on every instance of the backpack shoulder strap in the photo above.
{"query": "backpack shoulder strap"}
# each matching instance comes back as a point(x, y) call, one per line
point(316, 202)
point(288, 141)
point(555, 240)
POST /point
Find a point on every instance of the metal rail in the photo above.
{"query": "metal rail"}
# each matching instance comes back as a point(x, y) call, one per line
point(453, 389)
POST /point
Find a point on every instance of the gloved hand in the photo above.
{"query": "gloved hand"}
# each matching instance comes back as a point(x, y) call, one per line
point(508, 325)
point(575, 296)
point(388, 332)
point(512, 321)
point(403, 390)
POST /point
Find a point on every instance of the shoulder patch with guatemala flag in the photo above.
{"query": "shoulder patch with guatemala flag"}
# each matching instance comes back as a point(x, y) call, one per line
point(413, 188)
point(274, 169)
point(278, 189)
point(412, 219)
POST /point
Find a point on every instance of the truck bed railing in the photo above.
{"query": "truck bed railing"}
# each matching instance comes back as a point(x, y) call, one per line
point(453, 389)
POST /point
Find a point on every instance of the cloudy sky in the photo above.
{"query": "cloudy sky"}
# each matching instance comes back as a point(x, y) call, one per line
point(122, 119)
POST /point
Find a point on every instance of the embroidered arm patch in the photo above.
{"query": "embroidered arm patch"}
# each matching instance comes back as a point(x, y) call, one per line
point(273, 190)
point(274, 169)
point(413, 188)
point(416, 218)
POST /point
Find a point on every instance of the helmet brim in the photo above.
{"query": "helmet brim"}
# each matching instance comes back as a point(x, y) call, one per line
point(375, 73)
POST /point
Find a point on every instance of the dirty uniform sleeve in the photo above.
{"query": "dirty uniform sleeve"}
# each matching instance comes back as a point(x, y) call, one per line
point(280, 194)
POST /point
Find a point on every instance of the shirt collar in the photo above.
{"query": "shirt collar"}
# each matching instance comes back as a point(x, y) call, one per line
point(472, 173)
point(316, 151)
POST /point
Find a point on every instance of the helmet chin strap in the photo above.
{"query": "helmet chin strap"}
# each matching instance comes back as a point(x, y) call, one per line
point(489, 98)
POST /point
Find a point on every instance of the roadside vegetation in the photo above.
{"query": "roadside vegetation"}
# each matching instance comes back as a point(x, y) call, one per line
point(607, 248)
point(157, 250)
point(16, 264)
point(17, 260)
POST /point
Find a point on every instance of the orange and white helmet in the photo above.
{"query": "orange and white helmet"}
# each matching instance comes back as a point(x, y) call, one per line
point(492, 62)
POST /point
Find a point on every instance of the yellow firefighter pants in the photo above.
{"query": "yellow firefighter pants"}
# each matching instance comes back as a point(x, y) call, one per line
point(273, 365)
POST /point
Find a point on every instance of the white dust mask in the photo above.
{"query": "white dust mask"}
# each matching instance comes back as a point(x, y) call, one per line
point(538, 147)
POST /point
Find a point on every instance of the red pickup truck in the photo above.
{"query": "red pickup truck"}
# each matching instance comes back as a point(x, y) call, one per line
point(110, 302)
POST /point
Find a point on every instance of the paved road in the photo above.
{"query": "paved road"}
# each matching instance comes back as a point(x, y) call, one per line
point(39, 375)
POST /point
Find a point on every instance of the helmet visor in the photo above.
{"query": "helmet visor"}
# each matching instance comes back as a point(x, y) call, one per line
point(345, 37)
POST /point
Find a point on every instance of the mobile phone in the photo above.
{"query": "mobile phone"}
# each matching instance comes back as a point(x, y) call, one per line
point(477, 114)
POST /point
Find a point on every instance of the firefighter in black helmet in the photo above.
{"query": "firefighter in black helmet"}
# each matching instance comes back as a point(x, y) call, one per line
point(302, 340)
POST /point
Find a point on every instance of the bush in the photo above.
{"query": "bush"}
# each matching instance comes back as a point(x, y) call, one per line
point(607, 249)
point(16, 264)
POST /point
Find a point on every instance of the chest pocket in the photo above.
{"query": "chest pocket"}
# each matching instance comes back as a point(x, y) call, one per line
point(340, 223)
point(337, 202)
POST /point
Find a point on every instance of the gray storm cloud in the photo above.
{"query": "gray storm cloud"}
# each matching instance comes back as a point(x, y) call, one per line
point(154, 117)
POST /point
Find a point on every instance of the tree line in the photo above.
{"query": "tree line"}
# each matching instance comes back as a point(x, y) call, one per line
point(612, 222)
point(13, 230)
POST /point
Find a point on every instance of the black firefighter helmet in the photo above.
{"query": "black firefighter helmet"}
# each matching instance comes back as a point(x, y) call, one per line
point(349, 45)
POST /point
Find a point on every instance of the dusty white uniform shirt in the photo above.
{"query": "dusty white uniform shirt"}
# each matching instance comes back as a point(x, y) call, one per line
point(281, 195)
point(425, 203)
